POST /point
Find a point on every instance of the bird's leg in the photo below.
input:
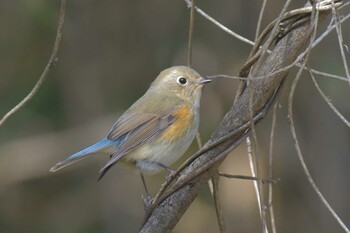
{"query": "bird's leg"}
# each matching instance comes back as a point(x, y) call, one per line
point(148, 199)
point(144, 184)
point(170, 170)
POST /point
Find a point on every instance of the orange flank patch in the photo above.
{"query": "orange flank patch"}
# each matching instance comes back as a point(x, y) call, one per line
point(183, 120)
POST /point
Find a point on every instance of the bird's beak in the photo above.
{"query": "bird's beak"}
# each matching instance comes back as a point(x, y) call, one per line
point(205, 80)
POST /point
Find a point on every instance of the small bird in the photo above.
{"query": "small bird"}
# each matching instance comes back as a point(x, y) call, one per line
point(156, 130)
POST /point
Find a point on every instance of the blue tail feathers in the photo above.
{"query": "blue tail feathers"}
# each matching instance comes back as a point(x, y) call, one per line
point(97, 147)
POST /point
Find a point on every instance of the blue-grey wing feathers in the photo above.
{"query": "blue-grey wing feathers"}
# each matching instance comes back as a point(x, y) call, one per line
point(149, 130)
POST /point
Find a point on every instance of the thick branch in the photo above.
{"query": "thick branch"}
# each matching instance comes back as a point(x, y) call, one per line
point(165, 216)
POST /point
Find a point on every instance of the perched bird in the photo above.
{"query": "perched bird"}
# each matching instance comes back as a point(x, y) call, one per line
point(156, 130)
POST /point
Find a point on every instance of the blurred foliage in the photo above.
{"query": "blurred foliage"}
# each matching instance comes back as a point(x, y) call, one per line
point(110, 53)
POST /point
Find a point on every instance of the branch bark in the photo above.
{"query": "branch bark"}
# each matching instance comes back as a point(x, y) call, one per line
point(166, 214)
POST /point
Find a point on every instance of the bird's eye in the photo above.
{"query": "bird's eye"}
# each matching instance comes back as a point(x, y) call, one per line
point(182, 80)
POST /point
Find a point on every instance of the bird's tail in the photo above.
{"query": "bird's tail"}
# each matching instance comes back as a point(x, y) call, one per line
point(97, 147)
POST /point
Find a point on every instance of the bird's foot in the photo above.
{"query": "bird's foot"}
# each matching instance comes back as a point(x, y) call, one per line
point(170, 175)
point(147, 202)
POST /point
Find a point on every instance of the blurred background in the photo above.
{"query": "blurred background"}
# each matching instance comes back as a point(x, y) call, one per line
point(110, 53)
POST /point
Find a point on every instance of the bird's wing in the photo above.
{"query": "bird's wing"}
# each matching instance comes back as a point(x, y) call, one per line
point(134, 131)
point(139, 129)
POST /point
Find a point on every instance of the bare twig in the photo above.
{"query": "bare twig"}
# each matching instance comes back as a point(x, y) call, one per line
point(329, 30)
point(264, 181)
point(199, 141)
point(213, 184)
point(270, 203)
point(329, 102)
point(255, 183)
point(52, 61)
point(219, 214)
point(251, 154)
point(340, 40)
point(262, 10)
point(219, 25)
point(324, 74)
point(306, 170)
point(190, 34)
point(295, 139)
point(333, 76)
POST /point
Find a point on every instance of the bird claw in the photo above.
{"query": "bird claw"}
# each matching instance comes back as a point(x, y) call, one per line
point(170, 175)
point(147, 202)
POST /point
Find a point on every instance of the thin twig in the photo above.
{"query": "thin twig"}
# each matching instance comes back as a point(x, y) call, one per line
point(199, 140)
point(344, 5)
point(255, 183)
point(215, 191)
point(190, 35)
point(52, 61)
point(329, 30)
point(225, 76)
point(243, 177)
point(296, 142)
point(272, 134)
point(333, 76)
point(306, 170)
point(262, 10)
point(329, 102)
point(213, 184)
point(340, 40)
point(258, 191)
point(219, 25)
